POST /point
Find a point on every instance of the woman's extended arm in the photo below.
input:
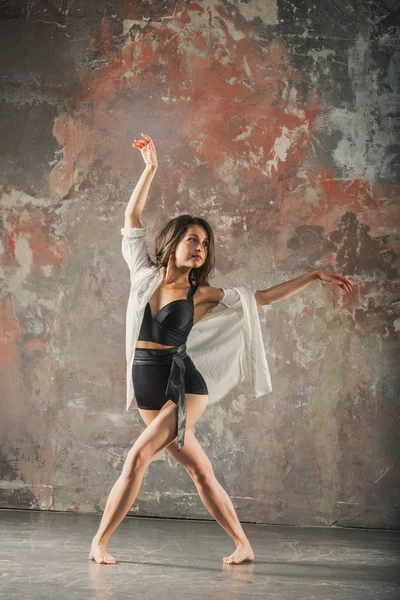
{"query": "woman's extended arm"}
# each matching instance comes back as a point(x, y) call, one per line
point(138, 198)
point(288, 288)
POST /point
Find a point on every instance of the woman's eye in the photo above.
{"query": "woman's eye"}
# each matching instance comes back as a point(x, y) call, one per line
point(194, 239)
point(190, 239)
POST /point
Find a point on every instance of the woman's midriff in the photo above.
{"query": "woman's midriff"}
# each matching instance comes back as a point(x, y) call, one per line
point(154, 345)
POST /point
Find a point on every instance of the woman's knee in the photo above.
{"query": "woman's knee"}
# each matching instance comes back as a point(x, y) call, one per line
point(158, 434)
point(202, 473)
point(137, 459)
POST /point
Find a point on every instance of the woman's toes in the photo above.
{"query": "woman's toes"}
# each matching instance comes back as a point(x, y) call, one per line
point(110, 560)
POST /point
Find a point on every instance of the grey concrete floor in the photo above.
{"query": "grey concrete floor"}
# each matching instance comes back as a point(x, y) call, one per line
point(45, 555)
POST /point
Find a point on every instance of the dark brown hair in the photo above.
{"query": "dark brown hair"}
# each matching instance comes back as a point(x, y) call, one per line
point(169, 237)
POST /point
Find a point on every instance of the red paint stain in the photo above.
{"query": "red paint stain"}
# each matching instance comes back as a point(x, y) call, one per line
point(45, 247)
point(194, 87)
point(215, 101)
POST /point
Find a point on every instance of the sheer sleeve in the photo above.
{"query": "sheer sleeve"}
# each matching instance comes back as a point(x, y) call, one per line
point(134, 248)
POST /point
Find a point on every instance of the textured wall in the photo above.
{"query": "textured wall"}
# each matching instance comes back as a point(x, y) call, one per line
point(275, 120)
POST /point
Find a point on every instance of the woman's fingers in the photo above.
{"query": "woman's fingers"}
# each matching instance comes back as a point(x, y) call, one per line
point(147, 149)
point(342, 281)
point(343, 278)
point(346, 283)
point(149, 140)
point(346, 286)
point(139, 144)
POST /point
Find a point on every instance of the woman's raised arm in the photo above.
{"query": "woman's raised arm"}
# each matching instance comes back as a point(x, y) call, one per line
point(138, 198)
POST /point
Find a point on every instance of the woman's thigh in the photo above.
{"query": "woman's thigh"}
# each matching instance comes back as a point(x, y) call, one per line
point(192, 455)
point(161, 430)
point(195, 406)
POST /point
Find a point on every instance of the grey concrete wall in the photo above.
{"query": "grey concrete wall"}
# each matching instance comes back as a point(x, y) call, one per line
point(278, 122)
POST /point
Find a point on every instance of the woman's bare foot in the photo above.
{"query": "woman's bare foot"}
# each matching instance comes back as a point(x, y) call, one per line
point(243, 553)
point(98, 552)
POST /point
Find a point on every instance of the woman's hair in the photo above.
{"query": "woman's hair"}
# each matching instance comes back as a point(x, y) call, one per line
point(169, 237)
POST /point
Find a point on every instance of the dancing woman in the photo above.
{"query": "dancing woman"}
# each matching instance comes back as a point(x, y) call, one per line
point(171, 393)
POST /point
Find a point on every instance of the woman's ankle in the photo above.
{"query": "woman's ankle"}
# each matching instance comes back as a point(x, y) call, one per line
point(242, 541)
point(100, 540)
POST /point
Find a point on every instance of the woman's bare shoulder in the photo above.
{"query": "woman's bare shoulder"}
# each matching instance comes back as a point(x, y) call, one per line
point(205, 299)
point(209, 295)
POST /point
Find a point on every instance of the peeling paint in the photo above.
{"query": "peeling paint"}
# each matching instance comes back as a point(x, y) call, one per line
point(277, 123)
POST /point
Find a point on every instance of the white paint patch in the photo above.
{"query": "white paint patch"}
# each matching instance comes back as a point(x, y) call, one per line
point(237, 409)
point(247, 68)
point(363, 150)
point(235, 34)
point(244, 135)
point(282, 145)
point(23, 253)
point(18, 198)
point(227, 171)
point(129, 23)
point(257, 158)
point(296, 307)
point(266, 10)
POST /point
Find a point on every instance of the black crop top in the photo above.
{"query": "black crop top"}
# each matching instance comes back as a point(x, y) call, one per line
point(172, 324)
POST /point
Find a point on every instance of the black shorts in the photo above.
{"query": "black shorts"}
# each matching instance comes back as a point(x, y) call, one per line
point(150, 380)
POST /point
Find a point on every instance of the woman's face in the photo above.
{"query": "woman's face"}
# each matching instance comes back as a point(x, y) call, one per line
point(194, 242)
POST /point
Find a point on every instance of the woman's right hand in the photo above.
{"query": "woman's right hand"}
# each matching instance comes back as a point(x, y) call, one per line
point(148, 151)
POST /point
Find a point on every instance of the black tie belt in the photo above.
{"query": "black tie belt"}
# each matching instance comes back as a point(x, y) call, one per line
point(175, 389)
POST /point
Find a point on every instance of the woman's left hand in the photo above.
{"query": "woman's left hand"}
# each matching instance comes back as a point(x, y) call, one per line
point(336, 278)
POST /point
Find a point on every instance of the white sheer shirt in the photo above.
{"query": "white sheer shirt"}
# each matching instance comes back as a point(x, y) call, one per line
point(225, 345)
